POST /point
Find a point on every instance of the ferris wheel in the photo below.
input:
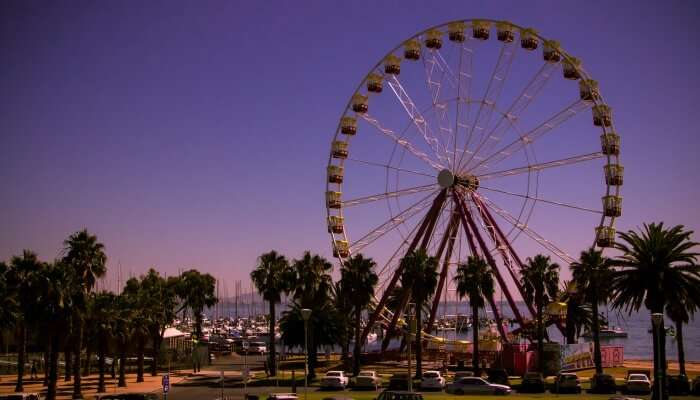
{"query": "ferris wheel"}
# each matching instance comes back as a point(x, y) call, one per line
point(461, 143)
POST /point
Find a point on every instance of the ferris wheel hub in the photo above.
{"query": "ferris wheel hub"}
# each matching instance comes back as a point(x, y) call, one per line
point(446, 178)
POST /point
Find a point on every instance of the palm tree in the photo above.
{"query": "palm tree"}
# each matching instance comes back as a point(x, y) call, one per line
point(8, 300)
point(657, 266)
point(578, 313)
point(680, 312)
point(344, 312)
point(138, 320)
point(475, 280)
point(22, 278)
point(124, 310)
point(196, 291)
point(420, 276)
point(591, 275)
point(359, 280)
point(158, 298)
point(102, 308)
point(86, 256)
point(540, 282)
point(272, 277)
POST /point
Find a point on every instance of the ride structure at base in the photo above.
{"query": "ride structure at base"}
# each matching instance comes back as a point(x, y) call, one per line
point(426, 156)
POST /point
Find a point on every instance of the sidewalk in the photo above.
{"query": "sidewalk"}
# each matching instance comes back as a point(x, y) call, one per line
point(89, 384)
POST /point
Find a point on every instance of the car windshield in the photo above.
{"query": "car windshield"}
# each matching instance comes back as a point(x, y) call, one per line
point(431, 375)
point(568, 377)
point(472, 381)
point(333, 373)
point(638, 377)
point(366, 373)
point(257, 344)
point(532, 375)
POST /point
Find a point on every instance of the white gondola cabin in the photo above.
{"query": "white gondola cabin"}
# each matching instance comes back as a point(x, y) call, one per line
point(348, 125)
point(456, 31)
point(335, 224)
point(339, 149)
point(505, 31)
point(602, 115)
point(610, 143)
point(359, 103)
point(433, 39)
point(612, 206)
point(392, 65)
point(550, 51)
point(588, 89)
point(570, 67)
point(374, 83)
point(614, 174)
point(605, 236)
point(411, 50)
point(341, 249)
point(528, 39)
point(335, 174)
point(333, 199)
point(480, 29)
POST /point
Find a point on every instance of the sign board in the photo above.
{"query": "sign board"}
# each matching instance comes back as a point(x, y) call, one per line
point(166, 383)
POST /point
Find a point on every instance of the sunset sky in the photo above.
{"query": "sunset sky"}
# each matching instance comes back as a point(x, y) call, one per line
point(196, 134)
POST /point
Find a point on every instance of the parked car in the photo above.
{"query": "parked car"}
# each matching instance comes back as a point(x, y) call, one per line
point(533, 382)
point(257, 348)
point(463, 374)
point(475, 385)
point(566, 382)
point(283, 396)
point(399, 395)
point(432, 380)
point(398, 381)
point(678, 385)
point(603, 383)
point(334, 380)
point(21, 396)
point(367, 380)
point(638, 383)
point(499, 376)
point(696, 386)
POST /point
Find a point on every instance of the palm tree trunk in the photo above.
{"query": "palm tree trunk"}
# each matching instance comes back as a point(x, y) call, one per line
point(681, 350)
point(101, 364)
point(139, 368)
point(156, 339)
point(67, 356)
point(570, 326)
point(419, 342)
point(358, 345)
point(47, 354)
point(53, 367)
point(597, 358)
point(21, 351)
point(663, 364)
point(475, 338)
point(540, 338)
point(122, 363)
point(273, 351)
point(313, 353)
point(88, 358)
point(77, 344)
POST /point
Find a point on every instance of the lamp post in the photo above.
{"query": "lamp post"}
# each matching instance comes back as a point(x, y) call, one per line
point(657, 322)
point(305, 315)
point(410, 328)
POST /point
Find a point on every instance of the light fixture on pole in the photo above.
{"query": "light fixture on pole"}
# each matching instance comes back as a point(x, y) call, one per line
point(305, 315)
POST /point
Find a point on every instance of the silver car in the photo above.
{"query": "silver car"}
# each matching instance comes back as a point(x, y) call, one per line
point(368, 380)
point(474, 385)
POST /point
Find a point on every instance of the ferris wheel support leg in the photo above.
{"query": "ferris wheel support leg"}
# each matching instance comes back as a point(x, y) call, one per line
point(432, 213)
point(499, 320)
point(405, 296)
point(450, 235)
point(468, 222)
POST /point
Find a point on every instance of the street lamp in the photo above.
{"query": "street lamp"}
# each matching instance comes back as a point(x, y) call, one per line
point(305, 315)
point(411, 327)
point(657, 323)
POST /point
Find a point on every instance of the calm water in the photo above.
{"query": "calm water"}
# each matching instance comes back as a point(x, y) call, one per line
point(637, 345)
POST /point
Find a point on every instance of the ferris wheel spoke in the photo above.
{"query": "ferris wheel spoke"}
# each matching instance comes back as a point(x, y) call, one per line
point(387, 166)
point(418, 119)
point(519, 105)
point(493, 91)
point(540, 199)
point(388, 195)
point(402, 142)
point(393, 223)
point(439, 107)
point(529, 137)
point(463, 84)
point(539, 239)
point(544, 165)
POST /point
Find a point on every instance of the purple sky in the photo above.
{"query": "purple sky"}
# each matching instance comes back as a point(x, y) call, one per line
point(196, 134)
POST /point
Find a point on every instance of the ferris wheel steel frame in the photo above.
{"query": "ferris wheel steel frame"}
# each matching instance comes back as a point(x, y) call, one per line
point(469, 208)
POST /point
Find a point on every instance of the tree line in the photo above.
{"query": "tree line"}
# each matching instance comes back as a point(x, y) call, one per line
point(57, 300)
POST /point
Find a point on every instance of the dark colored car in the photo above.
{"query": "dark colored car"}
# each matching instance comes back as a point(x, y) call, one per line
point(398, 381)
point(498, 376)
point(533, 382)
point(603, 383)
point(678, 385)
point(399, 395)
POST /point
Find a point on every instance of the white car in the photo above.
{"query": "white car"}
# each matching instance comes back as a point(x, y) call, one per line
point(257, 348)
point(368, 380)
point(475, 385)
point(334, 380)
point(638, 383)
point(432, 380)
